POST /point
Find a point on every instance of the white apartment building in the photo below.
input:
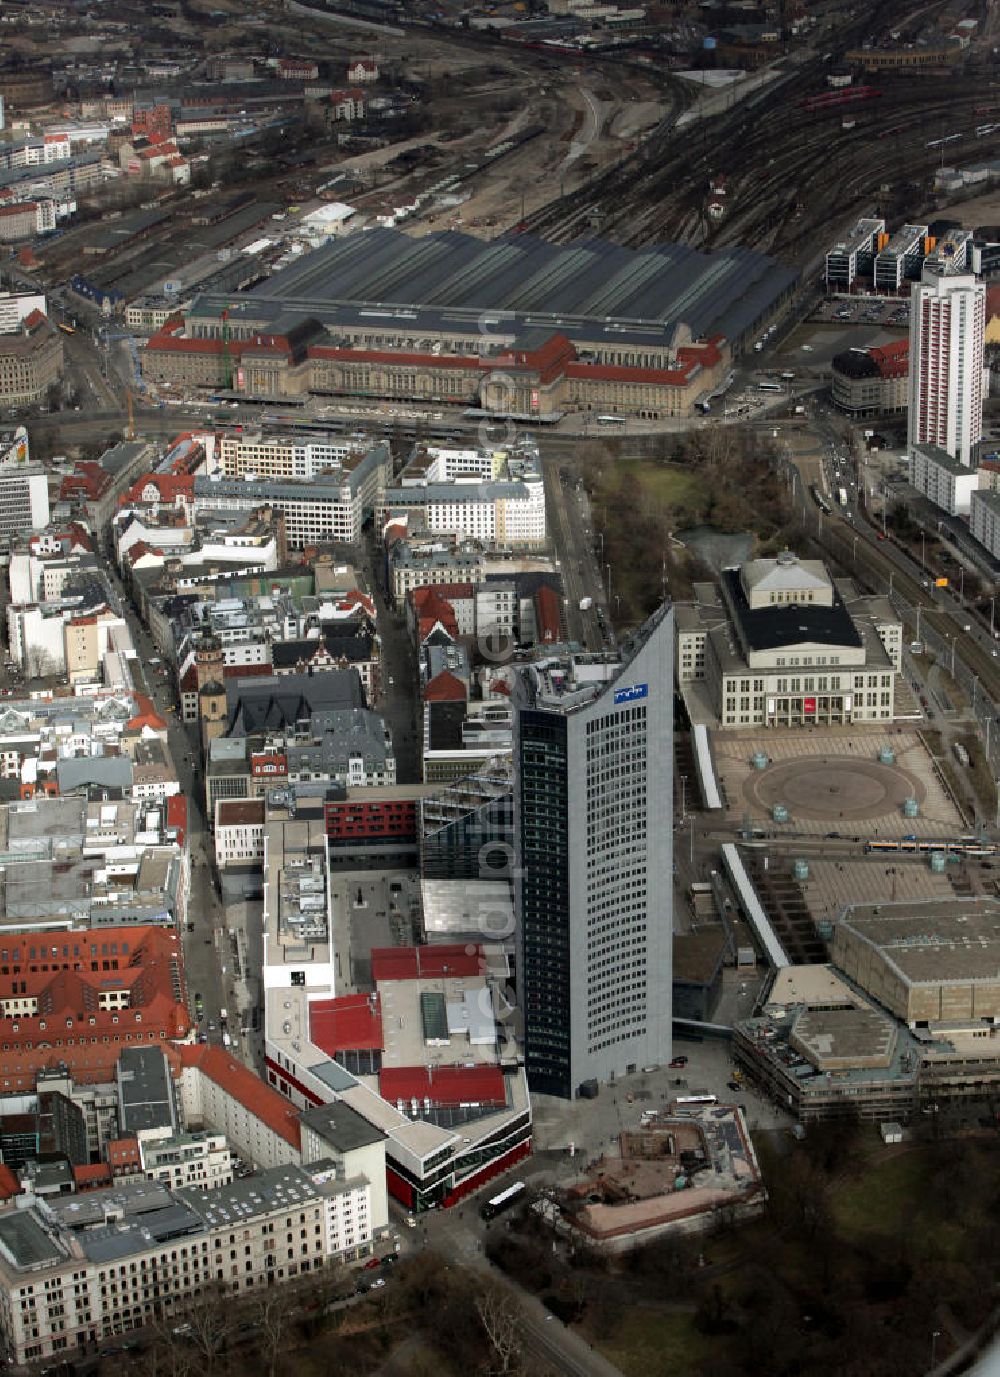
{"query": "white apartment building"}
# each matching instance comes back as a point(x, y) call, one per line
point(239, 832)
point(947, 482)
point(275, 456)
point(332, 507)
point(36, 637)
point(491, 496)
point(24, 499)
point(15, 306)
point(947, 328)
point(778, 643)
point(417, 566)
point(76, 1269)
point(185, 1159)
point(984, 520)
point(220, 1093)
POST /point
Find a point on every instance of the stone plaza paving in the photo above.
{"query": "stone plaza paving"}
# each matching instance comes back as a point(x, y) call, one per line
point(834, 781)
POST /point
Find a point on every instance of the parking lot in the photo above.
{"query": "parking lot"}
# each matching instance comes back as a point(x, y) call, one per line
point(592, 1126)
point(892, 312)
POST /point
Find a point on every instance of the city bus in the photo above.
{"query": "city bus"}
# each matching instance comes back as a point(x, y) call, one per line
point(611, 420)
point(695, 1100)
point(769, 387)
point(503, 1201)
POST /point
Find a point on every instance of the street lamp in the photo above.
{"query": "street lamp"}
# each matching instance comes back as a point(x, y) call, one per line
point(992, 606)
point(683, 780)
point(935, 1335)
point(608, 567)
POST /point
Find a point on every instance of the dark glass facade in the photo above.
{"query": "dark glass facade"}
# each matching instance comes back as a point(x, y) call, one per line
point(544, 977)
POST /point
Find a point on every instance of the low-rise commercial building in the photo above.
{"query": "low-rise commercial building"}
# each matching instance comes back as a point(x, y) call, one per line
point(905, 1015)
point(420, 1055)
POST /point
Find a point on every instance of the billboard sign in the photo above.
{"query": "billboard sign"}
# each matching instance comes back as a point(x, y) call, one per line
point(630, 694)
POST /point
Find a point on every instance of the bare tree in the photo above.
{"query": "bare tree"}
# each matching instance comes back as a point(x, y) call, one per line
point(206, 1325)
point(500, 1316)
point(169, 1354)
point(271, 1315)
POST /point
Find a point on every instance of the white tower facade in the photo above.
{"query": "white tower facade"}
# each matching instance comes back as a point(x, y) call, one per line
point(947, 329)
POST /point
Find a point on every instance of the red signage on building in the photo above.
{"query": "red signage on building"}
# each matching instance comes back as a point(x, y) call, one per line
point(809, 706)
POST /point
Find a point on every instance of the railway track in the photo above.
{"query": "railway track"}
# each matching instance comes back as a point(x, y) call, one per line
point(785, 185)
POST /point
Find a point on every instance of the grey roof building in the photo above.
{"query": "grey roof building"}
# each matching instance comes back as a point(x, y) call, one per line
point(342, 1127)
point(145, 1091)
point(276, 702)
point(588, 288)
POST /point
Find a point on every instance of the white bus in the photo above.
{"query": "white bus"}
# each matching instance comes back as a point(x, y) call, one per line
point(769, 387)
point(611, 420)
point(695, 1100)
point(503, 1201)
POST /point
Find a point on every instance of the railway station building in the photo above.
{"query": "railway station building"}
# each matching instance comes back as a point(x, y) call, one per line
point(515, 326)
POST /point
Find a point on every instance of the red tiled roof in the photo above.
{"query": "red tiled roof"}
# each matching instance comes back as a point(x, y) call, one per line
point(87, 480)
point(241, 812)
point(144, 961)
point(92, 1175)
point(177, 815)
point(547, 614)
point(427, 625)
point(445, 688)
point(243, 1086)
point(147, 716)
point(549, 360)
point(892, 360)
point(9, 1184)
point(451, 591)
point(350, 1023)
point(123, 1152)
point(169, 486)
point(20, 209)
point(426, 963)
point(443, 1085)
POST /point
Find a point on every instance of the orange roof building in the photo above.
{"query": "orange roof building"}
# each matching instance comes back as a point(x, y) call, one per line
point(76, 999)
point(219, 1091)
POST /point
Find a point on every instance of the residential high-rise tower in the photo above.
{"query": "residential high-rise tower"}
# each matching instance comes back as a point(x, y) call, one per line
point(947, 326)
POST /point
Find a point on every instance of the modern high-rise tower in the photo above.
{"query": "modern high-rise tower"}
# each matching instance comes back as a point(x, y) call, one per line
point(947, 327)
point(593, 811)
